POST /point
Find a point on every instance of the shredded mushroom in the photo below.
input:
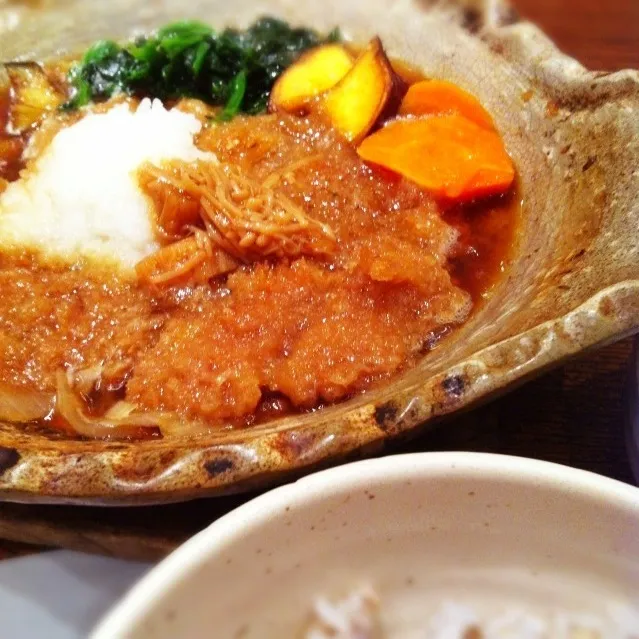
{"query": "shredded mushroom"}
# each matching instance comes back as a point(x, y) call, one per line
point(246, 219)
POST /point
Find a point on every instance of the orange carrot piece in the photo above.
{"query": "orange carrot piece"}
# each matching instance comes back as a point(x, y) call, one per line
point(436, 97)
point(448, 155)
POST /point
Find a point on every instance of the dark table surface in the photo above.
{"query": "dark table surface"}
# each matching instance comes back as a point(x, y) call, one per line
point(573, 416)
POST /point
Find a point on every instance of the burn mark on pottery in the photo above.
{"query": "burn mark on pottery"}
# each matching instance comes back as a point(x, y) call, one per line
point(217, 467)
point(433, 338)
point(386, 414)
point(472, 20)
point(454, 386)
point(9, 457)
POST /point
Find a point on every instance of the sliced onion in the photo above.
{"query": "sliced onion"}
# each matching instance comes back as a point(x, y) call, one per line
point(22, 405)
point(120, 410)
point(85, 379)
point(122, 420)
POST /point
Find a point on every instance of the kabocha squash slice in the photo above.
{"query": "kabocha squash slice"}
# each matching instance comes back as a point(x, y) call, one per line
point(313, 74)
point(370, 89)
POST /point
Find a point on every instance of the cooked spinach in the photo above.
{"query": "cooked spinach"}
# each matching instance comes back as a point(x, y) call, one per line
point(235, 69)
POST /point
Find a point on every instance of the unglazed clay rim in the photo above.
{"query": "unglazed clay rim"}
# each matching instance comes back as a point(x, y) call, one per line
point(147, 598)
point(38, 470)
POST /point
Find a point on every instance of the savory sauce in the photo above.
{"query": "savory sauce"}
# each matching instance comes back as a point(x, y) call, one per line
point(269, 337)
point(487, 239)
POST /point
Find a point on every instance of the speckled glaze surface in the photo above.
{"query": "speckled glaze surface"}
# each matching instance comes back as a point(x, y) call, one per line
point(574, 284)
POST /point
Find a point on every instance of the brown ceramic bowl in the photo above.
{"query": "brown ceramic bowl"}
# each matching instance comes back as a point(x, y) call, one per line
point(574, 284)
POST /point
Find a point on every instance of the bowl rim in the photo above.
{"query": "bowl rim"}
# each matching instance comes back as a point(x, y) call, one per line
point(563, 480)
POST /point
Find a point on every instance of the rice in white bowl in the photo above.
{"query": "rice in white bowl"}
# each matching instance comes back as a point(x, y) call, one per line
point(81, 197)
point(354, 617)
point(358, 615)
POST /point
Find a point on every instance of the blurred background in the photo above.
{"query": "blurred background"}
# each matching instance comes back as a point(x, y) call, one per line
point(601, 35)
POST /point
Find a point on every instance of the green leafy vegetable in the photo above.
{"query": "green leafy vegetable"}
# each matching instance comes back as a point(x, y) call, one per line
point(238, 91)
point(200, 56)
point(176, 38)
point(235, 69)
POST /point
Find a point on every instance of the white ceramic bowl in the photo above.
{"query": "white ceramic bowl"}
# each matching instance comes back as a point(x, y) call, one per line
point(490, 532)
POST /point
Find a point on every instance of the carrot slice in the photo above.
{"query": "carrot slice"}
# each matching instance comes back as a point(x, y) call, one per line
point(448, 155)
point(436, 97)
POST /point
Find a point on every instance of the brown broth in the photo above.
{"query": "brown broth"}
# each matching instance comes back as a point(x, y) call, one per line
point(487, 241)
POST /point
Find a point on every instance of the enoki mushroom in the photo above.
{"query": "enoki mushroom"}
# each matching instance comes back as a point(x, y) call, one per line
point(243, 218)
